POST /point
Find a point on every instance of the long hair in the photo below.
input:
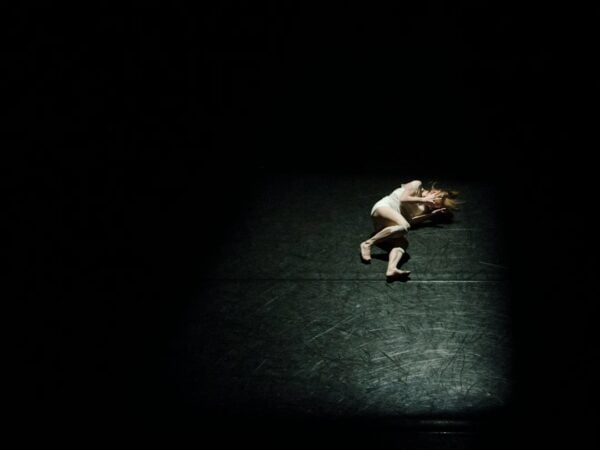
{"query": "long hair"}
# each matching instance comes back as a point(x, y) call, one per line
point(449, 200)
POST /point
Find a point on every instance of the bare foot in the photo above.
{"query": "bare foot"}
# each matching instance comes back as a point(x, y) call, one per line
point(365, 252)
point(397, 273)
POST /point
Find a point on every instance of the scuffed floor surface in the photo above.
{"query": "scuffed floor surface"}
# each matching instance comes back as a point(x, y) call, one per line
point(289, 322)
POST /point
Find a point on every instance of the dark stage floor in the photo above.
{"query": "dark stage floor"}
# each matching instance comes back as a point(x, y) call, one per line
point(296, 324)
point(287, 323)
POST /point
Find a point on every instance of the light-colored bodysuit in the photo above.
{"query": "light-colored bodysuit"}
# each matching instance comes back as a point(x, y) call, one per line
point(390, 201)
point(407, 210)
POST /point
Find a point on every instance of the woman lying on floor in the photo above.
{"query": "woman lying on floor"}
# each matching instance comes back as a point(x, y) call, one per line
point(394, 214)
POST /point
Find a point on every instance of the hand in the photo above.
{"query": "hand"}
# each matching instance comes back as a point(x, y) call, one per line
point(440, 212)
point(431, 199)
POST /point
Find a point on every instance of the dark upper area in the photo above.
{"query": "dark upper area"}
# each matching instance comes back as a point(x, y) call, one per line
point(472, 89)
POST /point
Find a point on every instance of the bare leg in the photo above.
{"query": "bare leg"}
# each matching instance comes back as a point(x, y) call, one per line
point(387, 233)
point(395, 256)
point(390, 225)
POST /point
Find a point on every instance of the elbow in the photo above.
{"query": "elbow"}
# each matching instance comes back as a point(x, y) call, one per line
point(415, 185)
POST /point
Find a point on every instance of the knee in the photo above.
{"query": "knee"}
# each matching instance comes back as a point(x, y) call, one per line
point(403, 228)
point(396, 251)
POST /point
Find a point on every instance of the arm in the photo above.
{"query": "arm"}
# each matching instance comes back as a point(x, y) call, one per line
point(435, 214)
point(411, 193)
point(413, 199)
point(416, 220)
point(407, 197)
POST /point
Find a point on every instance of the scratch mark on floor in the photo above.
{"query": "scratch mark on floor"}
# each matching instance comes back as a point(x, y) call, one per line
point(492, 265)
point(259, 366)
point(347, 319)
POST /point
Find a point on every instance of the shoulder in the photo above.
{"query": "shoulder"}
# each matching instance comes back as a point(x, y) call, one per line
point(412, 186)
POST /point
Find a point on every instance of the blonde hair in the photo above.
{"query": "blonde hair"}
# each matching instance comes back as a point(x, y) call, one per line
point(448, 197)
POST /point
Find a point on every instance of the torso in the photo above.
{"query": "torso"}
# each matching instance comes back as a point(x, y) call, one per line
point(410, 210)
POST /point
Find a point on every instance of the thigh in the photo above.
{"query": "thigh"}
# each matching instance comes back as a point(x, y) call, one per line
point(384, 216)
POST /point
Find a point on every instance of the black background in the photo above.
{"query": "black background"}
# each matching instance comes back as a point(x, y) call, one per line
point(122, 116)
point(474, 87)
